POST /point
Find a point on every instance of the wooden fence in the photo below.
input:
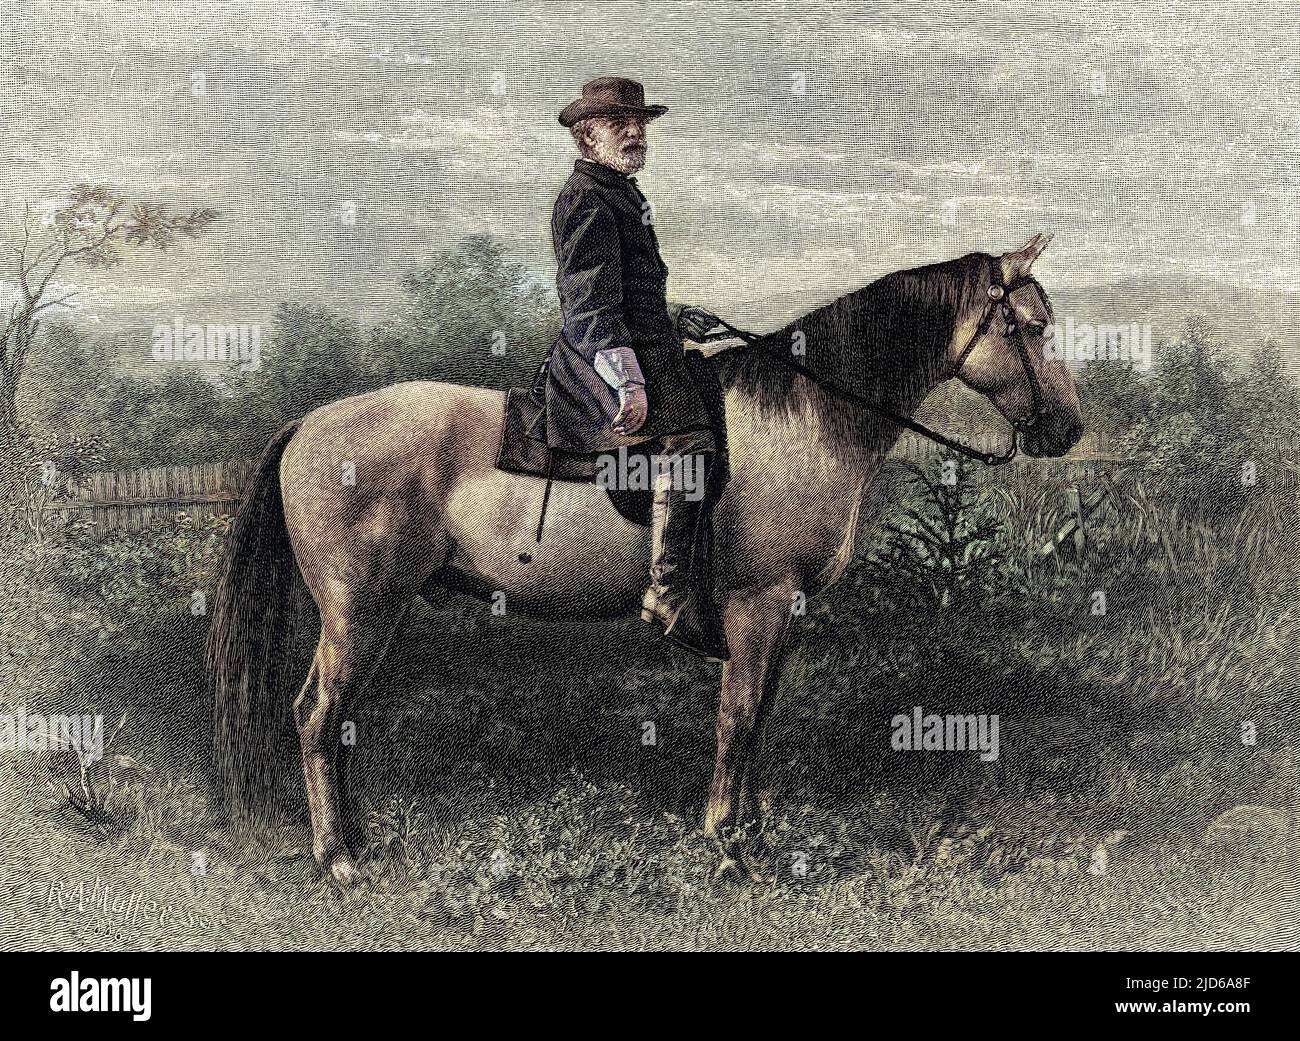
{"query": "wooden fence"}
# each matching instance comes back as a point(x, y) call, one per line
point(137, 500)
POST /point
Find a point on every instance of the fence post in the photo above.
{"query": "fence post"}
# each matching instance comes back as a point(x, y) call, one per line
point(1074, 506)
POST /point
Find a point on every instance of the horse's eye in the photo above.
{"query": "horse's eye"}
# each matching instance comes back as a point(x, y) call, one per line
point(1038, 328)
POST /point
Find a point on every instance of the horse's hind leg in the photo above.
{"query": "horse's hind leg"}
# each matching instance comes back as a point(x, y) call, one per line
point(353, 640)
point(756, 627)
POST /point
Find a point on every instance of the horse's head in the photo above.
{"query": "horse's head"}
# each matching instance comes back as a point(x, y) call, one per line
point(1002, 349)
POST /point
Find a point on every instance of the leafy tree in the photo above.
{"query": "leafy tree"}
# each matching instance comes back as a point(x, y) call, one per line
point(467, 301)
point(75, 387)
point(93, 228)
point(1113, 396)
point(1213, 429)
point(1193, 375)
point(310, 358)
point(1269, 400)
point(472, 316)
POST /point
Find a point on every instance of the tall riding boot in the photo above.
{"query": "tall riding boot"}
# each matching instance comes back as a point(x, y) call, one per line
point(679, 597)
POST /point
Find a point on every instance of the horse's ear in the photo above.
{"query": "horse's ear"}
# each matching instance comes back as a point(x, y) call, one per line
point(1017, 264)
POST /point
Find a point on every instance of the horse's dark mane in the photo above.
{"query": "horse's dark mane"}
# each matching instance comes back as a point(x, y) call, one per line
point(878, 341)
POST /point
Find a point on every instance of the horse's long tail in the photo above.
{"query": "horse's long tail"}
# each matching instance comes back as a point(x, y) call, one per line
point(251, 639)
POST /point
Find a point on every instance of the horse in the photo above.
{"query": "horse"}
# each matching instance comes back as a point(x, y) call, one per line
point(376, 498)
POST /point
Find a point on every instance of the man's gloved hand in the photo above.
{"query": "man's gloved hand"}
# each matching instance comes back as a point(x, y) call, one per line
point(633, 409)
point(695, 322)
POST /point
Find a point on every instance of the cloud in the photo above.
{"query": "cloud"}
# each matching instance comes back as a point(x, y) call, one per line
point(920, 132)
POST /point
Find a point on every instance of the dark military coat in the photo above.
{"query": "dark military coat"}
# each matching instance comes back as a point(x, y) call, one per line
point(612, 285)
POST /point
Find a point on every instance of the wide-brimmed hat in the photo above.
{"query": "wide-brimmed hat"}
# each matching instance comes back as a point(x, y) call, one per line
point(610, 96)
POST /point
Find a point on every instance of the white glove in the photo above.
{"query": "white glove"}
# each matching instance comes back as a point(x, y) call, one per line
point(633, 409)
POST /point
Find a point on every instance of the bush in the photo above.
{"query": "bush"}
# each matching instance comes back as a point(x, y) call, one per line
point(1206, 429)
point(471, 315)
point(940, 549)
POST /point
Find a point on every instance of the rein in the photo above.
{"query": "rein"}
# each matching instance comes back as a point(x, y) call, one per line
point(998, 302)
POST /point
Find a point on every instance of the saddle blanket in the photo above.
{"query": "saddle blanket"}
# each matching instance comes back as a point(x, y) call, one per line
point(523, 450)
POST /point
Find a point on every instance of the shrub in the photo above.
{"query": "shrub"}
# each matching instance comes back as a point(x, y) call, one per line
point(940, 549)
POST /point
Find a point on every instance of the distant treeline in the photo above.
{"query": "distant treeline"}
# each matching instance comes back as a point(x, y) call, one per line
point(471, 316)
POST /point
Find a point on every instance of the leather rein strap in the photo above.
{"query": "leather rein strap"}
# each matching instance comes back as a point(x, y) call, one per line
point(998, 303)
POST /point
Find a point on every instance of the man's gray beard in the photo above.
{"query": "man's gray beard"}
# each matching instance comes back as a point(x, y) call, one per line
point(614, 156)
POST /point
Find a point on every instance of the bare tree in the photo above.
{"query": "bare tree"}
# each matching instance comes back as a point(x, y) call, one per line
point(94, 228)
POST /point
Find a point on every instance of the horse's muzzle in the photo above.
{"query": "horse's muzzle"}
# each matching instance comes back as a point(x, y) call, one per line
point(1053, 437)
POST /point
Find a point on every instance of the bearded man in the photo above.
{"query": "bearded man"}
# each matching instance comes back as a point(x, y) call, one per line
point(616, 375)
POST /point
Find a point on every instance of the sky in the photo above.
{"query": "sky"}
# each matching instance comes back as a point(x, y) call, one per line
point(808, 149)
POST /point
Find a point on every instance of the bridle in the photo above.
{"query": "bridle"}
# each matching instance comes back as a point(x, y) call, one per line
point(999, 305)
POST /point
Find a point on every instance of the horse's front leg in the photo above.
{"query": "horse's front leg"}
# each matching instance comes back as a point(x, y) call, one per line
point(756, 623)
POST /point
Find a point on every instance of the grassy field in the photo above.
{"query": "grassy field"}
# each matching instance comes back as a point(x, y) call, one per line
point(514, 803)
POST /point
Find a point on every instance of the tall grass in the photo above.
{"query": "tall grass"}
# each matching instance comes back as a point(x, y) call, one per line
point(527, 805)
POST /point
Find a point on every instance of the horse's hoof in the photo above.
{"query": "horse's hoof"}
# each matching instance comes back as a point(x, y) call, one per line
point(736, 867)
point(343, 870)
point(727, 870)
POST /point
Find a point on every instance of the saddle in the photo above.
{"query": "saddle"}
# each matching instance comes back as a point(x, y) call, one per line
point(524, 449)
